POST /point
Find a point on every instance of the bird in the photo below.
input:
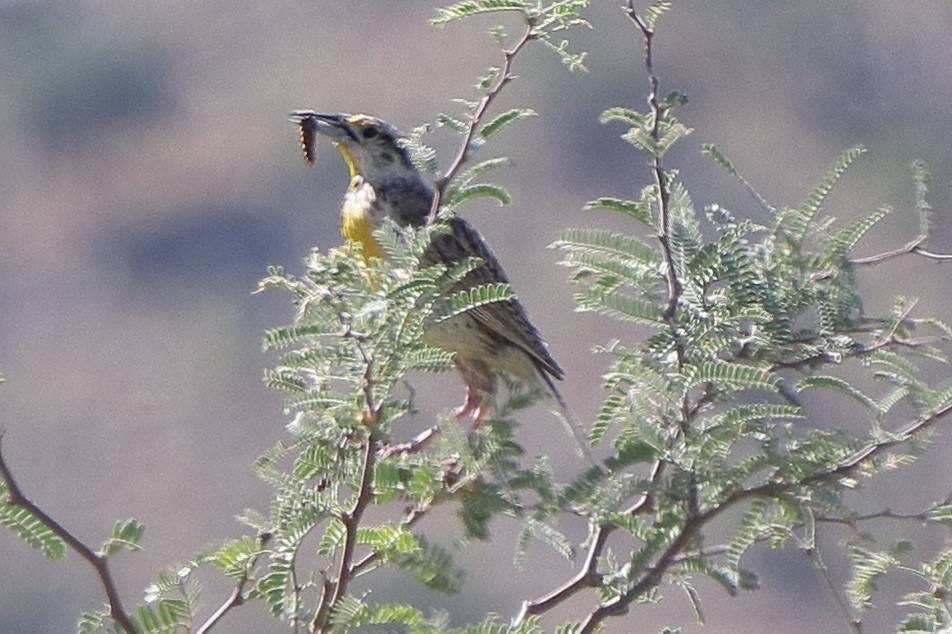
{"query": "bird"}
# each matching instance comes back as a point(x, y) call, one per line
point(487, 340)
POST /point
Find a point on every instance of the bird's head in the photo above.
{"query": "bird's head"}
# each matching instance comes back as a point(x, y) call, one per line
point(368, 145)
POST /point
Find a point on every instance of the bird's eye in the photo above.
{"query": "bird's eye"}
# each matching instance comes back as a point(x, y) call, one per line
point(370, 132)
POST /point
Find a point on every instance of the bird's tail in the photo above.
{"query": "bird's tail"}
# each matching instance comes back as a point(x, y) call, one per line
point(571, 422)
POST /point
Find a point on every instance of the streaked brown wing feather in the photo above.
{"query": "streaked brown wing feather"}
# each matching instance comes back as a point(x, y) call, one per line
point(504, 320)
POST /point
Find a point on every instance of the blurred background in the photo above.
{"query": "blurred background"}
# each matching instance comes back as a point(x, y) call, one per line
point(149, 176)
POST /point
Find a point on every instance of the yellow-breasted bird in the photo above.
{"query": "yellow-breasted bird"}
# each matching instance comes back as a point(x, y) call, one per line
point(488, 339)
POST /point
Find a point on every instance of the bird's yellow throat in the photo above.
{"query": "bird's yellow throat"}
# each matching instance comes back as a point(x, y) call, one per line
point(356, 221)
point(356, 225)
point(348, 159)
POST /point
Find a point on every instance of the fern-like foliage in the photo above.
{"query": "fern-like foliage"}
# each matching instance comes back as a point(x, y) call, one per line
point(30, 529)
point(746, 322)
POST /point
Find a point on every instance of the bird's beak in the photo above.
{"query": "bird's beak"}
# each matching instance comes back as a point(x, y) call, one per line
point(332, 126)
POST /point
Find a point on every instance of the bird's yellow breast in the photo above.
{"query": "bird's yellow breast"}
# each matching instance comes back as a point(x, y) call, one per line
point(357, 225)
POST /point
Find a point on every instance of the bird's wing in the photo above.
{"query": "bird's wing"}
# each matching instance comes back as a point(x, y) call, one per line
point(504, 320)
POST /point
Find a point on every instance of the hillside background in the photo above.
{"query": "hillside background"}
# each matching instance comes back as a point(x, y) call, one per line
point(149, 175)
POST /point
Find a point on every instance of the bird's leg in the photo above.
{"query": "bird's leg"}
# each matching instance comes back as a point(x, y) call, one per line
point(480, 390)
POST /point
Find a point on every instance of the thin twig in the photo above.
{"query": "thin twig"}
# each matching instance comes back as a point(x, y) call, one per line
point(97, 560)
point(466, 147)
point(913, 247)
point(588, 576)
point(887, 514)
point(415, 444)
point(825, 356)
point(813, 554)
point(237, 596)
point(664, 213)
point(369, 559)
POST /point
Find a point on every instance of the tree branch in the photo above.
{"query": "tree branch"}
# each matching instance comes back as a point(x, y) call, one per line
point(505, 76)
point(237, 596)
point(588, 576)
point(813, 555)
point(97, 560)
point(772, 489)
point(913, 247)
point(337, 589)
point(415, 444)
point(369, 559)
point(664, 215)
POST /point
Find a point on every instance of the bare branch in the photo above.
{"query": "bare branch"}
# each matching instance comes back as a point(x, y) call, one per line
point(97, 560)
point(813, 554)
point(887, 514)
point(417, 443)
point(913, 247)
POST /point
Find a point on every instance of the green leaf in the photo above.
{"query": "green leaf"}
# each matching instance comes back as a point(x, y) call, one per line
point(459, 195)
point(481, 168)
point(459, 10)
point(710, 150)
point(797, 222)
point(868, 566)
point(168, 616)
point(30, 529)
point(758, 411)
point(428, 360)
point(920, 178)
point(314, 461)
point(288, 335)
point(620, 306)
point(472, 298)
point(432, 566)
point(611, 244)
point(655, 10)
point(125, 536)
point(846, 239)
point(639, 210)
point(235, 556)
point(503, 120)
point(623, 115)
point(838, 385)
point(533, 529)
point(750, 529)
point(731, 374)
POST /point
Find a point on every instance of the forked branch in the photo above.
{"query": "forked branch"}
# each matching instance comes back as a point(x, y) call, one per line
point(95, 559)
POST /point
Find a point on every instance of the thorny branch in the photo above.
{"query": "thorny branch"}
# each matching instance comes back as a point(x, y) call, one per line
point(675, 287)
point(97, 560)
point(503, 78)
